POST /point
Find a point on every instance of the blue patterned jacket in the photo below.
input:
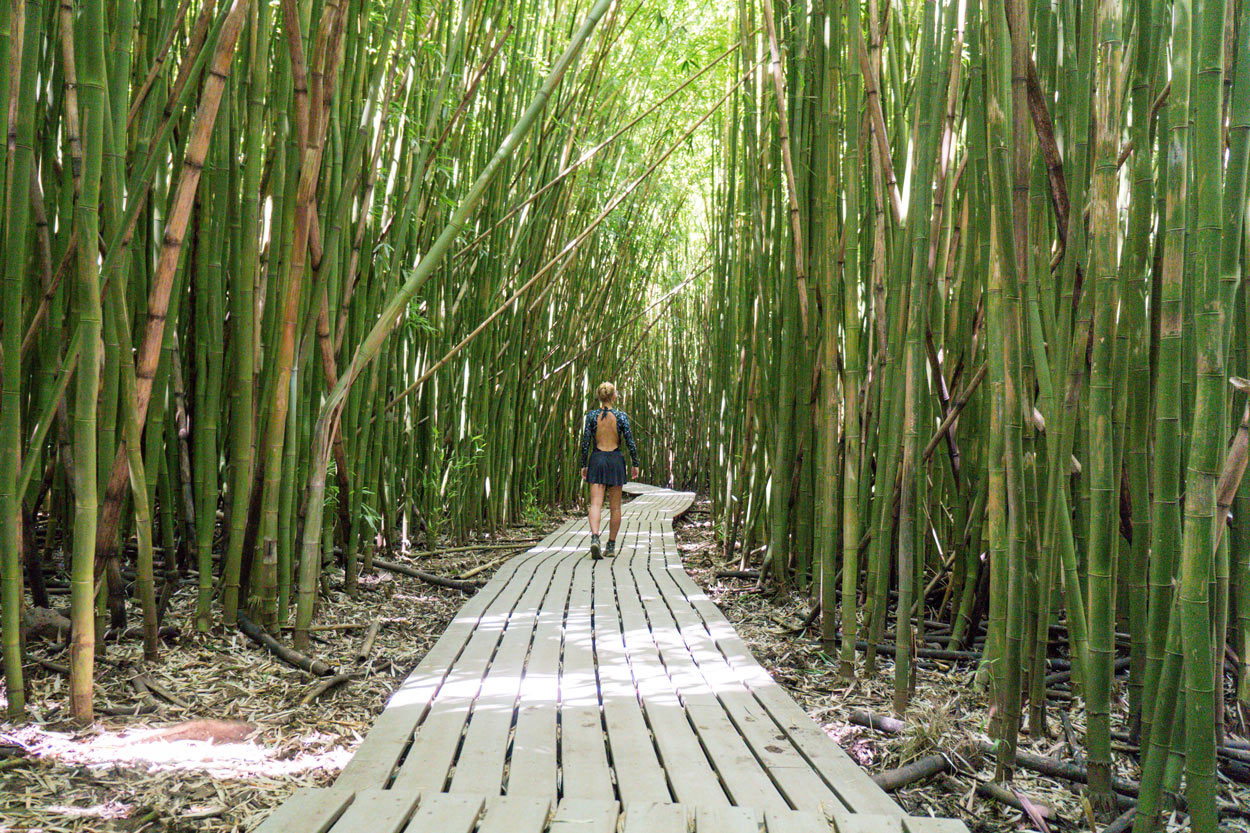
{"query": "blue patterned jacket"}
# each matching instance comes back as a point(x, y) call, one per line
point(622, 427)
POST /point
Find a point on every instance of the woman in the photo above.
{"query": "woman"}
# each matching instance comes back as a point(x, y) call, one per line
point(604, 466)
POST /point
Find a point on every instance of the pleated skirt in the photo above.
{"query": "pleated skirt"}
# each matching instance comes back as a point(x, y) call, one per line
point(606, 467)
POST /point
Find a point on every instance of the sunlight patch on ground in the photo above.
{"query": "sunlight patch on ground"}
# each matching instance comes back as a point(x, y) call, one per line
point(147, 749)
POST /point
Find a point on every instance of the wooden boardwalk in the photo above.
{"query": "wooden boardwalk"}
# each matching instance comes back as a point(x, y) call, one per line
point(596, 697)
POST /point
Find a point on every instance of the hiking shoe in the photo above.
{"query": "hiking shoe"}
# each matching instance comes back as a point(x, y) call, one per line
point(610, 550)
point(594, 548)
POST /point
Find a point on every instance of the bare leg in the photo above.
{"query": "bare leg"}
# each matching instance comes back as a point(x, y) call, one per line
point(614, 498)
point(596, 507)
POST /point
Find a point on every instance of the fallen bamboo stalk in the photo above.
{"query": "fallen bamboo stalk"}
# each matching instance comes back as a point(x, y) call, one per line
point(366, 647)
point(519, 544)
point(325, 685)
point(880, 722)
point(996, 792)
point(1122, 822)
point(751, 574)
point(927, 653)
point(288, 655)
point(917, 770)
point(55, 667)
point(343, 626)
point(1121, 664)
point(468, 574)
point(1055, 768)
point(162, 692)
point(140, 685)
point(126, 711)
point(429, 578)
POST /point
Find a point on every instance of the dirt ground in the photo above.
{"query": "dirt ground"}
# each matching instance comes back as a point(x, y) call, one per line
point(234, 739)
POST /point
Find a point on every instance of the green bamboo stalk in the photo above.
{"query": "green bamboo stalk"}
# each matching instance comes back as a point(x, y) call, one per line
point(89, 56)
point(20, 159)
point(369, 348)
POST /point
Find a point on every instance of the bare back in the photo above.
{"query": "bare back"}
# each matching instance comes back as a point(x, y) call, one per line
point(607, 437)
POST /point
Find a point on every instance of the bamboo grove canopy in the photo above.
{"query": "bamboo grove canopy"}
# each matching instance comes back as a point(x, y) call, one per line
point(941, 301)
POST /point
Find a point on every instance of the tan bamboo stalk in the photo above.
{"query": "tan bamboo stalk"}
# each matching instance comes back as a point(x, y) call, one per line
point(149, 352)
point(792, 194)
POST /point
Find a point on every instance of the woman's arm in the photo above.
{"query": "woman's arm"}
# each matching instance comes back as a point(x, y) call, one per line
point(622, 423)
point(588, 436)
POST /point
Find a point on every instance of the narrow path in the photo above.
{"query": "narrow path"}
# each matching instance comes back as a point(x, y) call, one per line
point(574, 695)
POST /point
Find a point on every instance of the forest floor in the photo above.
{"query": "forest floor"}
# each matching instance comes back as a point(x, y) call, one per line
point(241, 740)
point(947, 716)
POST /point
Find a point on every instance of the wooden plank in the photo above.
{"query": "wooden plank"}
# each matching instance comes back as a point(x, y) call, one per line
point(480, 763)
point(928, 824)
point(579, 815)
point(802, 787)
point(446, 813)
point(693, 780)
point(646, 817)
point(375, 759)
point(533, 767)
point(426, 766)
point(852, 785)
point(308, 810)
point(515, 814)
point(373, 811)
point(639, 774)
point(727, 820)
point(584, 770)
point(796, 821)
point(745, 780)
point(866, 823)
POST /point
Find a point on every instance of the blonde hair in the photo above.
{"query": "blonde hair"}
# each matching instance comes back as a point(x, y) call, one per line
point(606, 391)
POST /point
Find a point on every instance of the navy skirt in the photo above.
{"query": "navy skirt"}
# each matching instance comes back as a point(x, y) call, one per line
point(606, 467)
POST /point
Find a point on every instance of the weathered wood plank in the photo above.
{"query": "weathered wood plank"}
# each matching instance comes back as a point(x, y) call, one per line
point(533, 767)
point(691, 775)
point(592, 682)
point(643, 817)
point(426, 766)
point(515, 814)
point(639, 774)
point(852, 785)
point(446, 813)
point(377, 756)
point(375, 811)
point(928, 824)
point(579, 815)
point(796, 821)
point(480, 763)
point(802, 787)
point(727, 820)
point(308, 810)
point(745, 780)
point(867, 823)
point(584, 769)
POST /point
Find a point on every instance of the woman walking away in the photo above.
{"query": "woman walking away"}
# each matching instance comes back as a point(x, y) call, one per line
point(604, 466)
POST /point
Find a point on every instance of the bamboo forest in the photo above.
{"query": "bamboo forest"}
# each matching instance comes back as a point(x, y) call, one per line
point(930, 324)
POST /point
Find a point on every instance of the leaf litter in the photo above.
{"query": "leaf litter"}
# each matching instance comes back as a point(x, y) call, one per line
point(948, 713)
point(242, 743)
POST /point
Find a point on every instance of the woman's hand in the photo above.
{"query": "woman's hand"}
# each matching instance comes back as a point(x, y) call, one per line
point(583, 472)
point(633, 473)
